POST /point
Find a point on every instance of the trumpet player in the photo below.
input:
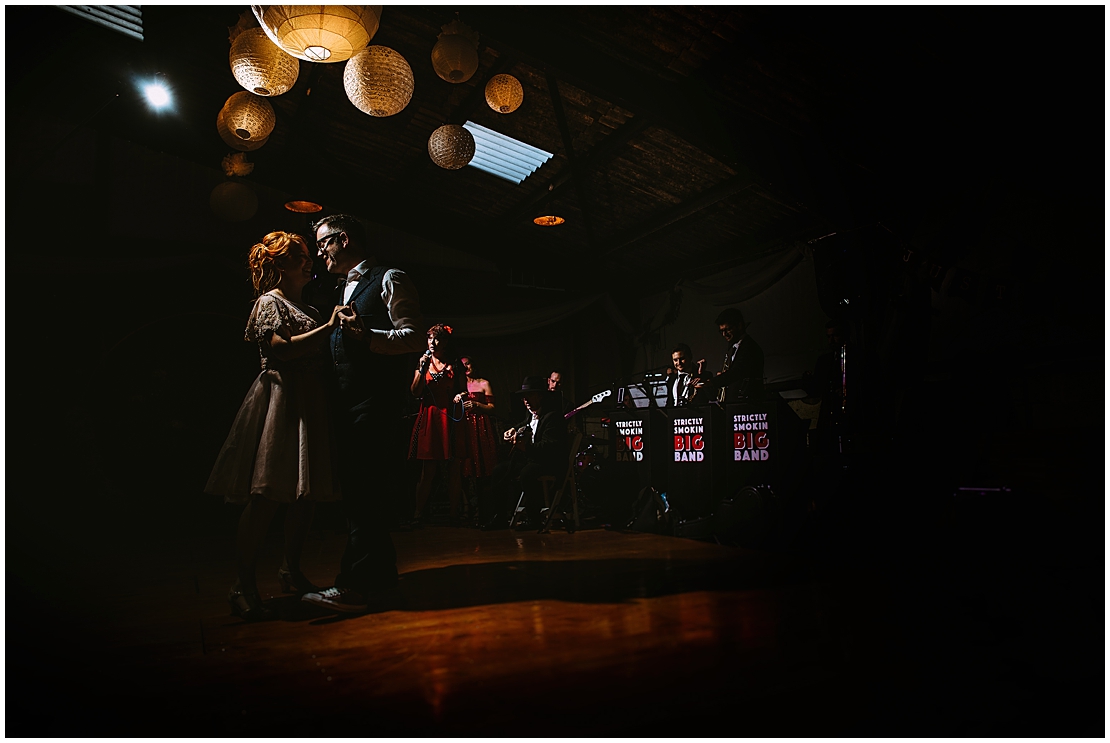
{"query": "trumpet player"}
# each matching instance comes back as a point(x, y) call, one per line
point(686, 381)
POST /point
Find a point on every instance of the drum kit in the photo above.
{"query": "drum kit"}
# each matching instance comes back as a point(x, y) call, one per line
point(588, 463)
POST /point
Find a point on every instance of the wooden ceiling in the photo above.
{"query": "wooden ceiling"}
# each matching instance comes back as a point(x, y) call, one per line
point(685, 138)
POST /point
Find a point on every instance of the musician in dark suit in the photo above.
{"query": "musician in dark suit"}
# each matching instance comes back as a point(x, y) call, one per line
point(684, 382)
point(741, 377)
point(371, 359)
point(540, 448)
point(555, 386)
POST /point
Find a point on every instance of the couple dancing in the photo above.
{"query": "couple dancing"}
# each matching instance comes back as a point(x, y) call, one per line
point(326, 386)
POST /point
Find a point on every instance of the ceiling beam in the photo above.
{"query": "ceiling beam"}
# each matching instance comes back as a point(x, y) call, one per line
point(680, 107)
point(405, 190)
point(575, 167)
point(753, 247)
point(594, 158)
point(681, 212)
point(296, 152)
point(477, 95)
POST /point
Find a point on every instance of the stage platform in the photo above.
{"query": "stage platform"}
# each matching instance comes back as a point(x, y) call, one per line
point(498, 633)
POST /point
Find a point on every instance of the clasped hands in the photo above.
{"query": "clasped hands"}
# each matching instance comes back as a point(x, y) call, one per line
point(348, 318)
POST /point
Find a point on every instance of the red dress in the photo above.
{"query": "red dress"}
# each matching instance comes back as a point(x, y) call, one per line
point(481, 443)
point(435, 435)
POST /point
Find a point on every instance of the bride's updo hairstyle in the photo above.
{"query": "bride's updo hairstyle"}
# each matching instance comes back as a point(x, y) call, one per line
point(264, 257)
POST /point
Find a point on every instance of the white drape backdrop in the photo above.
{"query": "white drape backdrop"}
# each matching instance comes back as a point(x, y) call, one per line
point(778, 296)
point(525, 320)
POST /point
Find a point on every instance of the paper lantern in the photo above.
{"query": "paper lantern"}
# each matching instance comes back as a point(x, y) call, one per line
point(504, 94)
point(248, 116)
point(378, 81)
point(455, 55)
point(319, 33)
point(261, 66)
point(451, 146)
point(549, 220)
point(231, 140)
point(233, 202)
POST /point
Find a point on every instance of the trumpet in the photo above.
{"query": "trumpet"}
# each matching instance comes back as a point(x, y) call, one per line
point(691, 387)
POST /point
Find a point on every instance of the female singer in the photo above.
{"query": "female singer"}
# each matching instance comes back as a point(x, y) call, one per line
point(481, 442)
point(279, 447)
point(438, 435)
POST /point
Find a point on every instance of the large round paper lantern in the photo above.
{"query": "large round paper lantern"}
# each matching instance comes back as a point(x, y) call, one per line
point(261, 66)
point(451, 146)
point(504, 94)
point(233, 202)
point(378, 81)
point(233, 141)
point(248, 116)
point(320, 33)
point(455, 55)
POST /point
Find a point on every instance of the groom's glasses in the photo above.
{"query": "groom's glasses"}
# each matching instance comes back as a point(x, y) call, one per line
point(323, 241)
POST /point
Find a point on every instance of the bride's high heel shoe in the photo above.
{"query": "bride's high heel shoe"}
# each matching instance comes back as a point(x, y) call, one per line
point(295, 582)
point(248, 606)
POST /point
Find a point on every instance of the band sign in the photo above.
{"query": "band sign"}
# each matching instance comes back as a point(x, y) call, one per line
point(689, 439)
point(749, 437)
point(630, 441)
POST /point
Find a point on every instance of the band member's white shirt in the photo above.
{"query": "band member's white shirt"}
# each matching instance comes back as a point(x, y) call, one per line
point(731, 352)
point(680, 385)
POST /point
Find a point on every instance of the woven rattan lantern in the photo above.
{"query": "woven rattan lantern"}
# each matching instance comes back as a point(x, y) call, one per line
point(232, 141)
point(504, 94)
point(451, 146)
point(378, 81)
point(249, 117)
point(261, 66)
point(455, 55)
point(320, 33)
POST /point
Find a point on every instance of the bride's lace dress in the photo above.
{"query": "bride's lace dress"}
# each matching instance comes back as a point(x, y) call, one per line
point(280, 445)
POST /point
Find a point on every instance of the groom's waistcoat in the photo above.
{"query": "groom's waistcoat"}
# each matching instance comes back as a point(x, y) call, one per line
point(361, 374)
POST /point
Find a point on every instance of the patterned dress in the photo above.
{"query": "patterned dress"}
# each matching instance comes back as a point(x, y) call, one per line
point(280, 445)
point(436, 434)
point(481, 441)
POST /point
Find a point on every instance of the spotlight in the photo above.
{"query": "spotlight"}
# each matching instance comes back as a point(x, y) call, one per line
point(156, 95)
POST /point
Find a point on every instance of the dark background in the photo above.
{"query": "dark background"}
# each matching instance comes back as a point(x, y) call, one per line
point(971, 135)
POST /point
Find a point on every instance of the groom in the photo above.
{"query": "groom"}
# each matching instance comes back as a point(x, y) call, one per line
point(371, 371)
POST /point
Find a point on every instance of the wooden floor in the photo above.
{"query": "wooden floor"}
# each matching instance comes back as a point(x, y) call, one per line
point(594, 633)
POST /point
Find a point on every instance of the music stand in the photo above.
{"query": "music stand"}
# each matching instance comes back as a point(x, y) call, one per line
point(649, 392)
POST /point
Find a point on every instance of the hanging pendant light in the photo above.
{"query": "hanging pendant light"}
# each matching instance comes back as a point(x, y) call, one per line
point(261, 66)
point(504, 93)
point(320, 33)
point(378, 81)
point(455, 55)
point(234, 142)
point(248, 116)
point(451, 146)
